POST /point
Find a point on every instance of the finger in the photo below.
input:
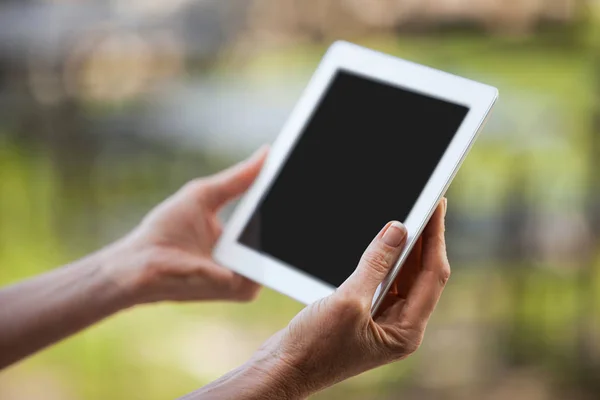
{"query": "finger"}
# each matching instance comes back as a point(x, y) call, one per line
point(244, 289)
point(234, 181)
point(435, 271)
point(376, 262)
point(387, 305)
point(233, 286)
point(409, 271)
point(404, 281)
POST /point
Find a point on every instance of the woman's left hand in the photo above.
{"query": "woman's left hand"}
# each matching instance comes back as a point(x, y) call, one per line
point(168, 257)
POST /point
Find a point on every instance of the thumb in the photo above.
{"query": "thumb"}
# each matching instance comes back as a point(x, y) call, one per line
point(234, 181)
point(377, 261)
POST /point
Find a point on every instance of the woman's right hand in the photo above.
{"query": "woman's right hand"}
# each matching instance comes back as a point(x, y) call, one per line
point(337, 338)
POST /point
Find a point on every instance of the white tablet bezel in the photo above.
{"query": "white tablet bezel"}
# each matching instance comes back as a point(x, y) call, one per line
point(273, 273)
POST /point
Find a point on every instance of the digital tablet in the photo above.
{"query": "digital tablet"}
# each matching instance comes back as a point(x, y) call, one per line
point(373, 138)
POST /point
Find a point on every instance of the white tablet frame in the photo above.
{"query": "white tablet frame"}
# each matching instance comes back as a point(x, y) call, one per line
point(273, 273)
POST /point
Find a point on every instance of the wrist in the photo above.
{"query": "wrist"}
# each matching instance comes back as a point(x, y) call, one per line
point(266, 376)
point(279, 376)
point(113, 276)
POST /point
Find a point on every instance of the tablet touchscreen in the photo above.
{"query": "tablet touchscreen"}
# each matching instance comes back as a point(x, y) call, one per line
point(363, 158)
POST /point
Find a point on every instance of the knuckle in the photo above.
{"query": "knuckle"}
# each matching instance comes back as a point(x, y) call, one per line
point(376, 261)
point(244, 290)
point(406, 342)
point(411, 346)
point(445, 272)
point(195, 186)
point(348, 306)
point(248, 295)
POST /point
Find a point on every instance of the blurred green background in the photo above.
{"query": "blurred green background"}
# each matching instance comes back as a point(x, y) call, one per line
point(107, 107)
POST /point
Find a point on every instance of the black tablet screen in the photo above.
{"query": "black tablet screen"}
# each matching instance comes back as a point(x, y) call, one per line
point(363, 158)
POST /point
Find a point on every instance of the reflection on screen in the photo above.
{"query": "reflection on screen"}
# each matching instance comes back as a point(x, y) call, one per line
point(363, 159)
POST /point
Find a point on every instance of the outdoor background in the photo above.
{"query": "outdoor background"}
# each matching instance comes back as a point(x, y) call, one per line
point(108, 106)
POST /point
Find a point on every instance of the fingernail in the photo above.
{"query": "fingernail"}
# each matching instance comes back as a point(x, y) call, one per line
point(394, 234)
point(445, 206)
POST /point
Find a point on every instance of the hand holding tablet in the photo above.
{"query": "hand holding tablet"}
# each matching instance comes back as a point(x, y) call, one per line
point(337, 337)
point(372, 139)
